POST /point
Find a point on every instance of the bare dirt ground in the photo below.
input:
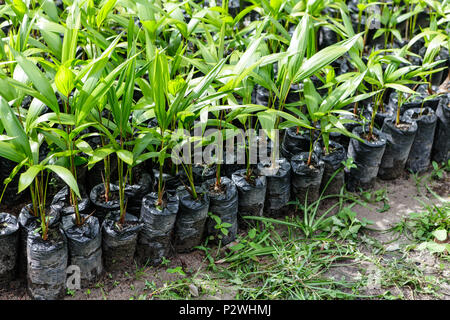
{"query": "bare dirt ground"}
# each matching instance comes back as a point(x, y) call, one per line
point(392, 264)
point(383, 261)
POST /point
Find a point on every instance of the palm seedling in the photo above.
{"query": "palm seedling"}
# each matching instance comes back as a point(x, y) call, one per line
point(80, 87)
point(22, 147)
point(175, 101)
point(300, 63)
point(322, 112)
point(392, 77)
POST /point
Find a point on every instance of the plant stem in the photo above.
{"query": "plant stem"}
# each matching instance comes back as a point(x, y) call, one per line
point(397, 119)
point(217, 186)
point(72, 195)
point(191, 182)
point(121, 192)
point(106, 162)
point(311, 133)
point(160, 180)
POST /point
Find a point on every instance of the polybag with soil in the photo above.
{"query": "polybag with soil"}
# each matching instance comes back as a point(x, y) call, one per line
point(136, 192)
point(278, 179)
point(85, 246)
point(102, 207)
point(367, 157)
point(119, 241)
point(399, 141)
point(381, 115)
point(47, 264)
point(332, 163)
point(306, 179)
point(191, 219)
point(171, 182)
point(251, 192)
point(154, 241)
point(441, 147)
point(223, 203)
point(28, 223)
point(420, 153)
point(296, 142)
point(414, 101)
point(203, 173)
point(9, 240)
point(62, 198)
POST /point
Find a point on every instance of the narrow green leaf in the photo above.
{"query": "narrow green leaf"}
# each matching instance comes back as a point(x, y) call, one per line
point(104, 11)
point(66, 176)
point(28, 176)
point(38, 79)
point(126, 156)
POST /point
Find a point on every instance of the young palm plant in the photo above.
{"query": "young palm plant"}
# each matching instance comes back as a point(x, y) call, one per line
point(23, 148)
point(43, 243)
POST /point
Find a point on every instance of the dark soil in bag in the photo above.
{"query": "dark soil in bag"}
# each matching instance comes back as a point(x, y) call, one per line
point(251, 192)
point(191, 219)
point(420, 153)
point(62, 198)
point(28, 223)
point(278, 192)
point(85, 247)
point(441, 147)
point(399, 141)
point(136, 192)
point(119, 242)
point(47, 264)
point(155, 238)
point(102, 207)
point(367, 157)
point(223, 204)
point(9, 247)
point(306, 179)
point(333, 162)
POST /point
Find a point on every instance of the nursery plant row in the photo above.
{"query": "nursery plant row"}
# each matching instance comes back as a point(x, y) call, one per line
point(96, 97)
